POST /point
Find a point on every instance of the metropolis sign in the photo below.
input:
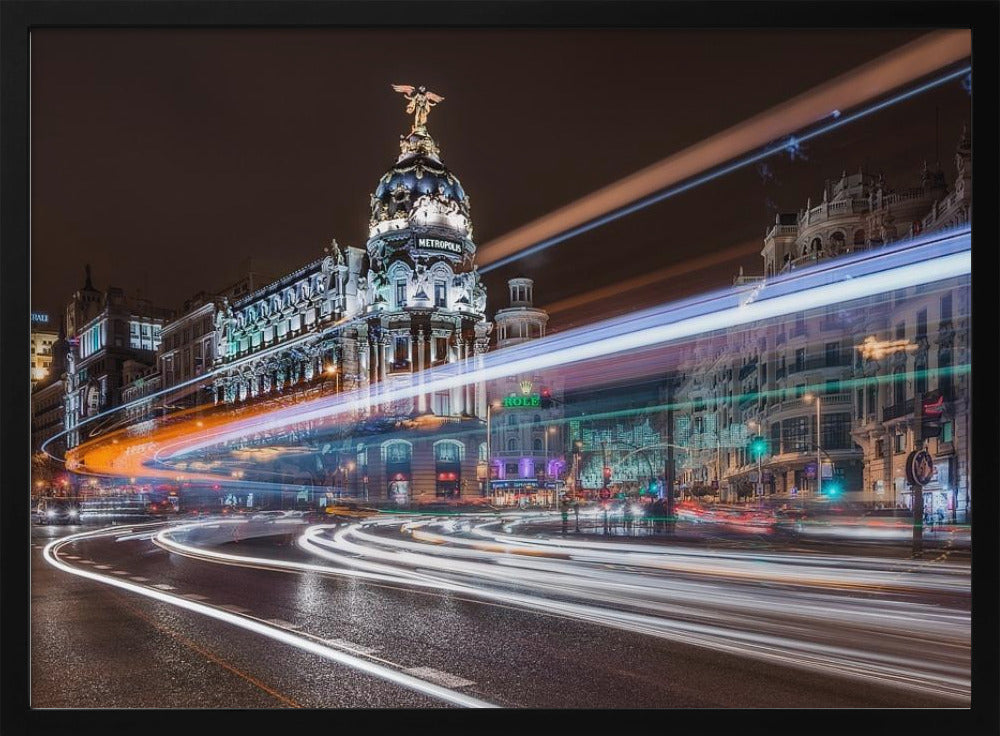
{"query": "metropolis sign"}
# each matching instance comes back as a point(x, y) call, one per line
point(438, 244)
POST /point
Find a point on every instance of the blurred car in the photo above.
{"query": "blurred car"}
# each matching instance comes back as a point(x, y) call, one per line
point(57, 511)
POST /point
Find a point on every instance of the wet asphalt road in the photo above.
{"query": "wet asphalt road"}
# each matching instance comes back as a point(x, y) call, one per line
point(96, 646)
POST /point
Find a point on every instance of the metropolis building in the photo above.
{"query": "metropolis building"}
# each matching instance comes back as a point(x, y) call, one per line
point(410, 300)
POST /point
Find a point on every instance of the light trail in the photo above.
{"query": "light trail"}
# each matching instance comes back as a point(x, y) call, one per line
point(276, 633)
point(677, 173)
point(934, 258)
point(926, 260)
point(852, 626)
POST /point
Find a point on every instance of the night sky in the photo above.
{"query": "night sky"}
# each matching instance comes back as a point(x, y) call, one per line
point(168, 158)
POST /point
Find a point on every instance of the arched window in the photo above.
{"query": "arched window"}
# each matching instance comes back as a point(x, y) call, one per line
point(817, 245)
point(536, 445)
point(859, 237)
point(483, 454)
point(449, 451)
point(396, 451)
point(512, 444)
point(511, 420)
point(838, 241)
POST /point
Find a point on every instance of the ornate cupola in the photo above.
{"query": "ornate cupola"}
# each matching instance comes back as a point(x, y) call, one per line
point(419, 206)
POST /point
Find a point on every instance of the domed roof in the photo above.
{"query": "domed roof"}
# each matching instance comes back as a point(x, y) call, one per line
point(417, 173)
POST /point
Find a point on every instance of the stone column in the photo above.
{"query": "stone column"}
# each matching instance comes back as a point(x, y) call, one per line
point(421, 367)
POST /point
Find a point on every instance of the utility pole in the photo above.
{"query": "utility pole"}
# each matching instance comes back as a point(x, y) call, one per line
point(916, 489)
point(668, 470)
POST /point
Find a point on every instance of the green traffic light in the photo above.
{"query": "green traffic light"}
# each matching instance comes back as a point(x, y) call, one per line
point(758, 447)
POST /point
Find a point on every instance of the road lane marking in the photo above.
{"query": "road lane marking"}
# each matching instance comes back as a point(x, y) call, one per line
point(87, 562)
point(282, 623)
point(104, 567)
point(72, 557)
point(139, 579)
point(119, 572)
point(164, 586)
point(350, 646)
point(441, 678)
point(195, 596)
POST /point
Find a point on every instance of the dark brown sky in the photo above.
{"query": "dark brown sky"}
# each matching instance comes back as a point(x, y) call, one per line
point(166, 158)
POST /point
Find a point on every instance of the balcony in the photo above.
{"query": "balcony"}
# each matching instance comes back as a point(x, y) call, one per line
point(820, 362)
point(399, 366)
point(897, 410)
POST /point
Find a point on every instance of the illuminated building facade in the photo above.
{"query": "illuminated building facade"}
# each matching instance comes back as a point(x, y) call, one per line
point(43, 337)
point(408, 301)
point(763, 381)
point(107, 333)
point(527, 442)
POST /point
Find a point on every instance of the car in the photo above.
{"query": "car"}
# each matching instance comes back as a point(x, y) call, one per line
point(57, 511)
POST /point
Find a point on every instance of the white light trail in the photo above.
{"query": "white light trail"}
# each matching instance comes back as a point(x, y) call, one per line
point(713, 603)
point(929, 259)
point(275, 633)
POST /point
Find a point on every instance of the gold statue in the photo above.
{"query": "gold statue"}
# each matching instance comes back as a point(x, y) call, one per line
point(421, 103)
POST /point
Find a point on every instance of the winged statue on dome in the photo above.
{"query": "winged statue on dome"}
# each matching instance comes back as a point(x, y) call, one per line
point(421, 101)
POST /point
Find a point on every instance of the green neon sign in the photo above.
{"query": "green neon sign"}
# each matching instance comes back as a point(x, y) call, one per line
point(522, 402)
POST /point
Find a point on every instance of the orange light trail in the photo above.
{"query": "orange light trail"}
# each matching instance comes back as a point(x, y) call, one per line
point(902, 66)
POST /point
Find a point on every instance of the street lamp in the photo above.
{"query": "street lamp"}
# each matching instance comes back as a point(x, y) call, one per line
point(819, 466)
point(331, 370)
point(545, 475)
point(489, 445)
point(350, 467)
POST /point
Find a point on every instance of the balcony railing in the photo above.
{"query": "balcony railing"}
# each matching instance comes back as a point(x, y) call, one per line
point(819, 362)
point(897, 410)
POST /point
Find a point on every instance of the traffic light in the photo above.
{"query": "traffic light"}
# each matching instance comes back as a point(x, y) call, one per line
point(931, 412)
point(832, 488)
point(546, 399)
point(607, 473)
point(758, 447)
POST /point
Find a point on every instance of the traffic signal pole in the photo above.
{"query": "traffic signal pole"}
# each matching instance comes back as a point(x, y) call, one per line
point(668, 470)
point(918, 490)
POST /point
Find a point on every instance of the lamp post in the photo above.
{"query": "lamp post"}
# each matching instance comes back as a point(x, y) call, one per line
point(819, 465)
point(331, 370)
point(489, 445)
point(545, 475)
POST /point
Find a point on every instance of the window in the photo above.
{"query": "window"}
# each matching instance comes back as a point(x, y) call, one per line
point(536, 445)
point(800, 359)
point(921, 325)
point(947, 431)
point(800, 391)
point(899, 385)
point(512, 447)
point(879, 448)
point(859, 237)
point(920, 374)
point(402, 350)
point(859, 403)
point(440, 294)
point(511, 470)
point(833, 353)
point(944, 372)
point(400, 293)
point(836, 434)
point(901, 331)
point(833, 387)
point(899, 443)
point(795, 434)
point(946, 308)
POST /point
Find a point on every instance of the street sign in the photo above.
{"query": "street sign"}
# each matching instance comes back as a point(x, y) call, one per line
point(919, 468)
